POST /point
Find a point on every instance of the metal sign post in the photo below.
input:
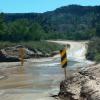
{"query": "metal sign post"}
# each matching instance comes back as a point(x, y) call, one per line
point(64, 60)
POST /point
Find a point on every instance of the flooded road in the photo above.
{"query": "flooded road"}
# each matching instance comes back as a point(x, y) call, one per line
point(39, 78)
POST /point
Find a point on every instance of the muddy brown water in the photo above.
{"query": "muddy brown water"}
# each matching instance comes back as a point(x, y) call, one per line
point(32, 78)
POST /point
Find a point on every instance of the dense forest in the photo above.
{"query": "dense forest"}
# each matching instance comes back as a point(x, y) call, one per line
point(72, 22)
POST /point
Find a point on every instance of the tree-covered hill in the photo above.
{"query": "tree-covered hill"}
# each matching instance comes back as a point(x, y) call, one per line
point(69, 22)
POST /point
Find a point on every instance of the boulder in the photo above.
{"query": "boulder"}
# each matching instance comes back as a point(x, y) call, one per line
point(54, 53)
point(11, 54)
point(81, 85)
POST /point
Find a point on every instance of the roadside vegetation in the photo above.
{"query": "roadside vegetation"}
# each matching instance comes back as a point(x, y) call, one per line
point(94, 50)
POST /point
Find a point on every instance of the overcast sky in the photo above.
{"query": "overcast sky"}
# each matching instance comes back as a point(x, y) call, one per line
point(15, 6)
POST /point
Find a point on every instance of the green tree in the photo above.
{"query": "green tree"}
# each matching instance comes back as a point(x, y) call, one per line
point(37, 32)
point(2, 25)
point(23, 30)
point(98, 30)
point(1, 21)
point(93, 52)
point(18, 30)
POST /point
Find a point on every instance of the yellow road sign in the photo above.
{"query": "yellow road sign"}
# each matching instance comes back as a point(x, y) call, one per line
point(63, 58)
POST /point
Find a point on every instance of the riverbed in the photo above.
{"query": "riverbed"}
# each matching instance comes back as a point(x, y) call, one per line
point(38, 79)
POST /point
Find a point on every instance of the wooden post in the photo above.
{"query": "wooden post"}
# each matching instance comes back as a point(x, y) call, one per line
point(65, 70)
point(65, 73)
point(21, 56)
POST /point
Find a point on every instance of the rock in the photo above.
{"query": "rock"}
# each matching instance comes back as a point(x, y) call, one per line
point(71, 87)
point(54, 53)
point(91, 90)
point(2, 77)
point(5, 57)
point(82, 85)
point(11, 54)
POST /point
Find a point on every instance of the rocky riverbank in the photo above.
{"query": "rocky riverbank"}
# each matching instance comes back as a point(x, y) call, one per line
point(12, 54)
point(82, 85)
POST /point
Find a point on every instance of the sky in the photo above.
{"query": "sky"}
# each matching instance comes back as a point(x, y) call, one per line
point(39, 6)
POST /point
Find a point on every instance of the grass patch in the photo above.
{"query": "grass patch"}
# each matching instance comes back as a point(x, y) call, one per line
point(41, 45)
